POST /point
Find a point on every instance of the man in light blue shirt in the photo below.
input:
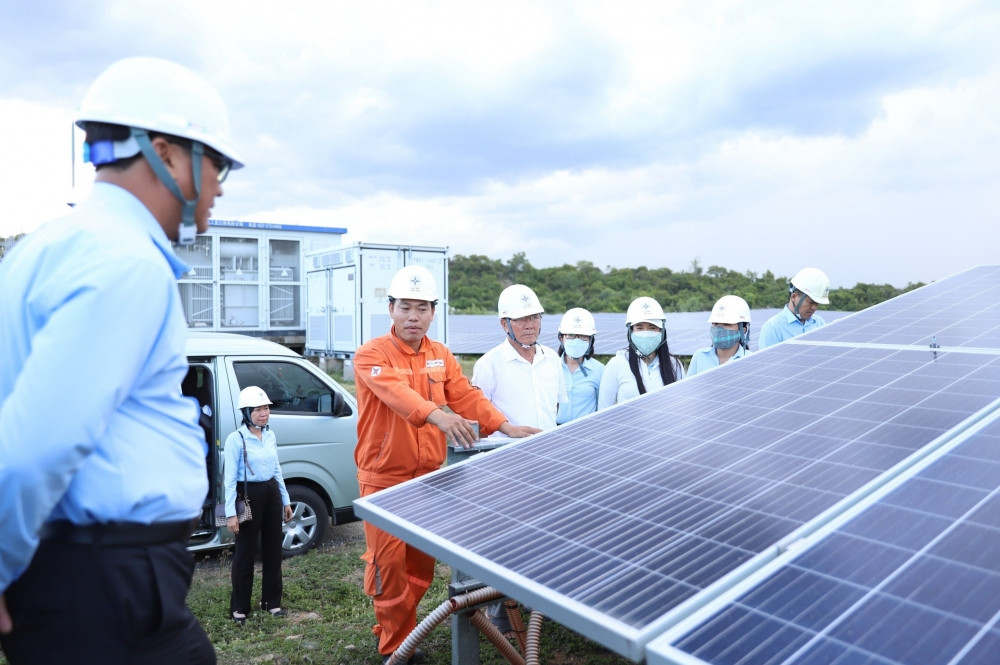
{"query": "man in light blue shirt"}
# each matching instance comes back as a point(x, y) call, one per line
point(809, 289)
point(102, 461)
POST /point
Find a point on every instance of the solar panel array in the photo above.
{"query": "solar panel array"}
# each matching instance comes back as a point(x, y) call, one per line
point(686, 331)
point(651, 517)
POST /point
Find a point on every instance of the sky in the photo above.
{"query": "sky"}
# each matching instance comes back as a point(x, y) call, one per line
point(859, 137)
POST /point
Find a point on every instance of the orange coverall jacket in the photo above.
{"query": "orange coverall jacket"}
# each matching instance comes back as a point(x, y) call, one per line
point(397, 388)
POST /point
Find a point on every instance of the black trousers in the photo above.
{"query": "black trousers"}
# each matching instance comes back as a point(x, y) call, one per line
point(268, 516)
point(81, 603)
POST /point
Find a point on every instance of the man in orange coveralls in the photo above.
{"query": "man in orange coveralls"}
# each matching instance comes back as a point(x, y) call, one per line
point(403, 380)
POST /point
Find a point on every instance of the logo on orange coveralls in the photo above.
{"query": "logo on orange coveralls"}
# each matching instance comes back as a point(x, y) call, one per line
point(376, 370)
point(437, 362)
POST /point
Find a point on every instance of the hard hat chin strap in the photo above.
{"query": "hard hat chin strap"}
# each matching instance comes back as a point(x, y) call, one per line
point(798, 305)
point(510, 333)
point(188, 228)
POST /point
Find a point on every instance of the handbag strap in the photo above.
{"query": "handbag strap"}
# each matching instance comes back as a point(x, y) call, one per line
point(246, 465)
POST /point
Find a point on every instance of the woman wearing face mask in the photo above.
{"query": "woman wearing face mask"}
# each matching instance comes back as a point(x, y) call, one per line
point(581, 370)
point(730, 334)
point(647, 363)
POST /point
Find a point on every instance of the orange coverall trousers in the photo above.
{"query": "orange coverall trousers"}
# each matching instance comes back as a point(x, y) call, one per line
point(397, 576)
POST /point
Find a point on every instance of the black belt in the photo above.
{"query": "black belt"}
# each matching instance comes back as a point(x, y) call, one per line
point(117, 533)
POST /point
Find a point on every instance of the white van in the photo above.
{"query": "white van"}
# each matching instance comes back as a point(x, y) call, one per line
point(313, 418)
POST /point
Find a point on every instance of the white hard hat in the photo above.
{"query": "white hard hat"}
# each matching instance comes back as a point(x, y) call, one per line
point(414, 283)
point(252, 396)
point(518, 300)
point(578, 321)
point(730, 309)
point(645, 309)
point(814, 283)
point(160, 96)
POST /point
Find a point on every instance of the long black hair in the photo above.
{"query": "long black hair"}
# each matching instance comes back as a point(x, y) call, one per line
point(666, 364)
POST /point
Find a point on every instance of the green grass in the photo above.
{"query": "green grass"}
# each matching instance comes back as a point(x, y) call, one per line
point(330, 618)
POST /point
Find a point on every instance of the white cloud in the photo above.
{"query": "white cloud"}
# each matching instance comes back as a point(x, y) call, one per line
point(861, 138)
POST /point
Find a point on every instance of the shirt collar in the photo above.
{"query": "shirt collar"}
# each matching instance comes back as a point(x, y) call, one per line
point(511, 354)
point(403, 346)
point(106, 193)
point(790, 316)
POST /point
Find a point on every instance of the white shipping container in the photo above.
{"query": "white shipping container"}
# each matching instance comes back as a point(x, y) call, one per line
point(347, 299)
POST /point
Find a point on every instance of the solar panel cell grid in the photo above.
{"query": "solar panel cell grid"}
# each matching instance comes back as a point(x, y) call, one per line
point(950, 311)
point(915, 578)
point(675, 496)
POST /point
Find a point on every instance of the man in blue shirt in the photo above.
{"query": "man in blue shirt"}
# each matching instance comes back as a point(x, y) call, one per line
point(102, 461)
point(809, 289)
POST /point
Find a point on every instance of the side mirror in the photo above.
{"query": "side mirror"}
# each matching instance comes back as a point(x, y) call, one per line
point(340, 406)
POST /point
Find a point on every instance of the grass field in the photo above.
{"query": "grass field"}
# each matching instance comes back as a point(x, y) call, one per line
point(330, 618)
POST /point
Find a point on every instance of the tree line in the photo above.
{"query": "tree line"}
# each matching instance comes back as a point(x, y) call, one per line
point(475, 283)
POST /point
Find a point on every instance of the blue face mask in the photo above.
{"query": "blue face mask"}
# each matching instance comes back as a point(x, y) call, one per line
point(646, 341)
point(576, 348)
point(724, 338)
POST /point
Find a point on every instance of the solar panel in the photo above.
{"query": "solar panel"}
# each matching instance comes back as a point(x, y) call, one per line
point(612, 521)
point(962, 311)
point(633, 521)
point(913, 578)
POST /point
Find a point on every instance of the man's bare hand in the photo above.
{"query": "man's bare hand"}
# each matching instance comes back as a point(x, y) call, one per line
point(455, 427)
point(517, 431)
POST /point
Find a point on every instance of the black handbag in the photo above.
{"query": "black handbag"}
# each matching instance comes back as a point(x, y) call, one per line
point(243, 512)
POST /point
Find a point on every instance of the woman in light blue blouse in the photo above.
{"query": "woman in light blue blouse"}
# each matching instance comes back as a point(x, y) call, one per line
point(251, 455)
point(581, 370)
point(730, 333)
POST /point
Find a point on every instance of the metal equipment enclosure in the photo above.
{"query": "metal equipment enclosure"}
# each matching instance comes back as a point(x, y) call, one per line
point(248, 277)
point(347, 303)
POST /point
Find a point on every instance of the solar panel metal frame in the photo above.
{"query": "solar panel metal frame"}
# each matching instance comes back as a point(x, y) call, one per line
point(622, 637)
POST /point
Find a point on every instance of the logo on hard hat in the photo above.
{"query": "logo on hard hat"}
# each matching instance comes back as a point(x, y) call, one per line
point(526, 299)
point(416, 282)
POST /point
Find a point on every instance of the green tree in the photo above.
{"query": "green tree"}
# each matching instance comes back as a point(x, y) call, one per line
point(476, 281)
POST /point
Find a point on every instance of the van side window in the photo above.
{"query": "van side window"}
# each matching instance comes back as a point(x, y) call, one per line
point(292, 389)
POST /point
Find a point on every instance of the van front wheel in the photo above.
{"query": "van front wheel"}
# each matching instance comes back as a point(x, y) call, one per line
point(308, 524)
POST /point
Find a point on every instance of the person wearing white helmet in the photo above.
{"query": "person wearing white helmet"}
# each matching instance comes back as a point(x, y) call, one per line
point(101, 500)
point(647, 363)
point(404, 382)
point(521, 377)
point(730, 333)
point(809, 289)
point(581, 371)
point(251, 469)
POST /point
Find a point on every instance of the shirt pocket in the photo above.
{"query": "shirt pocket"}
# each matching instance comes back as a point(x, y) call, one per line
point(436, 381)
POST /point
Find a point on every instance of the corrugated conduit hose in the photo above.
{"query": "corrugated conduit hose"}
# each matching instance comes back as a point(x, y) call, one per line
point(481, 622)
point(534, 637)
